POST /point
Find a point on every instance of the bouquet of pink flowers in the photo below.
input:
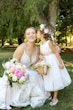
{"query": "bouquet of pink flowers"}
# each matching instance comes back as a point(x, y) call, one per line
point(15, 72)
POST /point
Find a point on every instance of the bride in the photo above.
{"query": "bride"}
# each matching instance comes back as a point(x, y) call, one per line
point(31, 93)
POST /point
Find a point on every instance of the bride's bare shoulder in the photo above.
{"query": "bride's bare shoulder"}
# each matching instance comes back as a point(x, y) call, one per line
point(21, 46)
point(19, 51)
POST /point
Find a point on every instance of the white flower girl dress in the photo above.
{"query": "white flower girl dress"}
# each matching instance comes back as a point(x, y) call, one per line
point(56, 78)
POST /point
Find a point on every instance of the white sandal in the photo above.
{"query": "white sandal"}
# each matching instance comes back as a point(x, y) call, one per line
point(53, 102)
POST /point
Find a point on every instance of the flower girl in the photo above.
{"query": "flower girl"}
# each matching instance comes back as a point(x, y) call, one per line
point(57, 76)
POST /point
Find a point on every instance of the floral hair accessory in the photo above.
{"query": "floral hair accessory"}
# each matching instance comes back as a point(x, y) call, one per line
point(42, 27)
point(46, 31)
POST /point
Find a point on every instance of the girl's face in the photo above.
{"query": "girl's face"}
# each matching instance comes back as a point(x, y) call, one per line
point(39, 35)
point(30, 34)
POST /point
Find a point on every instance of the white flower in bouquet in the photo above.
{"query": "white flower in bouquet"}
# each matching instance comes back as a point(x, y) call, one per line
point(12, 64)
point(6, 65)
point(7, 72)
point(18, 66)
point(14, 78)
point(22, 79)
point(13, 60)
point(10, 75)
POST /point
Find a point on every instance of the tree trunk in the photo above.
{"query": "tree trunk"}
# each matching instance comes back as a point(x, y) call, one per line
point(52, 14)
point(42, 18)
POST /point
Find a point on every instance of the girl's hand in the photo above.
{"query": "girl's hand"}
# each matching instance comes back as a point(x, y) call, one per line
point(61, 66)
point(34, 66)
point(41, 57)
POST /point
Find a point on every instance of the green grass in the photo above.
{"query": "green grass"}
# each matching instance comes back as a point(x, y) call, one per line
point(65, 96)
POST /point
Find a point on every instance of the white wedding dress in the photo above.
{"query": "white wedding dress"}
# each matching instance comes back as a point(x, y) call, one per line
point(31, 93)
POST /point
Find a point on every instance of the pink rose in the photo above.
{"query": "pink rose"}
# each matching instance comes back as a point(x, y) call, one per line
point(12, 69)
point(46, 31)
point(19, 74)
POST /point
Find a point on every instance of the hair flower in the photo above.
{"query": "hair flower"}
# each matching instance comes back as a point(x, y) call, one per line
point(42, 27)
point(46, 31)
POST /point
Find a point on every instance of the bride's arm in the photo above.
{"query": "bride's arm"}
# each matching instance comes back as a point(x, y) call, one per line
point(18, 52)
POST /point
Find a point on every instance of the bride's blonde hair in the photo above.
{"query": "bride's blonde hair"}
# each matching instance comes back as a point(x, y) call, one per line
point(30, 28)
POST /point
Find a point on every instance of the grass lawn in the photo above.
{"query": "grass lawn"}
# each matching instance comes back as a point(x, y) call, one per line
point(65, 96)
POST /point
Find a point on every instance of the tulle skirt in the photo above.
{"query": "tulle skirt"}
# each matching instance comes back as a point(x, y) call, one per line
point(57, 78)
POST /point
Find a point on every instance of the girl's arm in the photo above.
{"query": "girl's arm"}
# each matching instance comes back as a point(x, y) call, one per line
point(54, 50)
point(41, 56)
point(18, 52)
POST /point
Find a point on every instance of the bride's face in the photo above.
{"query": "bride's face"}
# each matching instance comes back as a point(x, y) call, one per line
point(30, 34)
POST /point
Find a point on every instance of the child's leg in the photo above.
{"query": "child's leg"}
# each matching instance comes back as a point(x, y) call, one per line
point(55, 95)
point(54, 100)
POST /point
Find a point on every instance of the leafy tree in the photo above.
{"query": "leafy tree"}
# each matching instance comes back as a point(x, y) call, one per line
point(17, 15)
point(65, 18)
